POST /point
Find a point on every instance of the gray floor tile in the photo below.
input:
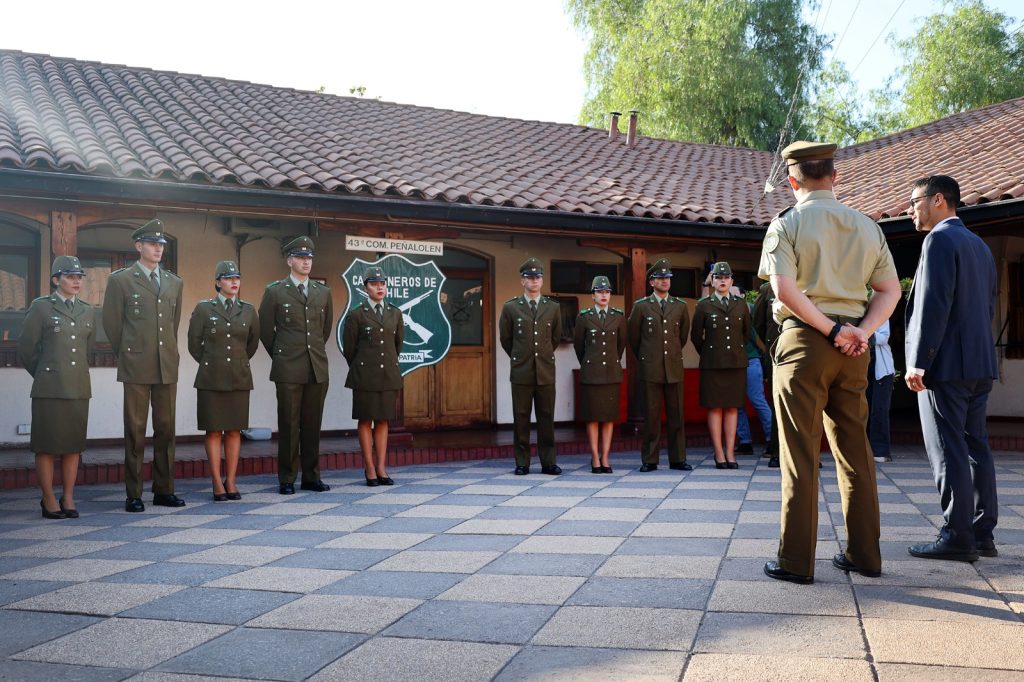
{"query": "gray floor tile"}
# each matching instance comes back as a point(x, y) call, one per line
point(659, 566)
point(715, 667)
point(473, 621)
point(496, 543)
point(521, 589)
point(30, 671)
point(674, 546)
point(621, 502)
point(545, 564)
point(521, 513)
point(942, 643)
point(781, 597)
point(250, 522)
point(147, 551)
point(581, 664)
point(410, 525)
point(287, 538)
point(620, 628)
point(692, 516)
point(934, 603)
point(280, 579)
point(784, 635)
point(903, 672)
point(211, 605)
point(25, 629)
point(337, 613)
point(16, 590)
point(437, 561)
point(593, 528)
point(394, 584)
point(256, 653)
point(339, 559)
point(669, 593)
point(414, 660)
point(173, 574)
point(96, 598)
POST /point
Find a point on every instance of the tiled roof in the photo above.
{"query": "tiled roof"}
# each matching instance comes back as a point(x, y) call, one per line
point(88, 118)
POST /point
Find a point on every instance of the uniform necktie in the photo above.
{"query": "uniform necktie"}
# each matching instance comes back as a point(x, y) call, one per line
point(380, 312)
point(533, 308)
point(155, 280)
point(302, 290)
point(601, 315)
point(228, 303)
point(662, 306)
point(70, 303)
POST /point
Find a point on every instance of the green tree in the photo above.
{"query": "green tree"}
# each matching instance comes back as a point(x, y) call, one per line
point(964, 59)
point(721, 71)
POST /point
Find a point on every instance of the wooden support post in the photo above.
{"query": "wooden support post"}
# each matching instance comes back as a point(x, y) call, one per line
point(63, 233)
point(636, 287)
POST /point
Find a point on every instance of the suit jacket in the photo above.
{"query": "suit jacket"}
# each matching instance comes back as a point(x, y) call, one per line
point(530, 343)
point(720, 332)
point(294, 330)
point(142, 325)
point(764, 321)
point(657, 338)
point(54, 345)
point(371, 347)
point(222, 343)
point(951, 307)
point(599, 346)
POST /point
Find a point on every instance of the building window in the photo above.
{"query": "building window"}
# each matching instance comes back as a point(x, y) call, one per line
point(684, 282)
point(575, 277)
point(19, 284)
point(1015, 312)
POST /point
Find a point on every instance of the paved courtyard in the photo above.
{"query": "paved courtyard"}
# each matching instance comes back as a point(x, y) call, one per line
point(463, 571)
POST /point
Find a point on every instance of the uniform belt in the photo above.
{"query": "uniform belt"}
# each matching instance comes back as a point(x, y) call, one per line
point(793, 322)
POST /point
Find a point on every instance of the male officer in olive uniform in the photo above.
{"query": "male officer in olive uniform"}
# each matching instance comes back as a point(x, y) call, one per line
point(820, 256)
point(141, 312)
point(658, 327)
point(768, 330)
point(530, 327)
point(296, 315)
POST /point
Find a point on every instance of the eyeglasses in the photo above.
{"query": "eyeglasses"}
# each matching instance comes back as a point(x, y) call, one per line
point(914, 200)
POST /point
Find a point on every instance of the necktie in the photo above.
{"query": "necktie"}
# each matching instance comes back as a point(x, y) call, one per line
point(533, 308)
point(662, 306)
point(70, 303)
point(380, 312)
point(302, 290)
point(228, 303)
point(155, 280)
point(601, 315)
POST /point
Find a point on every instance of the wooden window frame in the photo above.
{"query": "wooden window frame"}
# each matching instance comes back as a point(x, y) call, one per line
point(9, 348)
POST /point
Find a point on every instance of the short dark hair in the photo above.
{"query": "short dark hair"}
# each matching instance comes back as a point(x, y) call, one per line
point(941, 184)
point(815, 169)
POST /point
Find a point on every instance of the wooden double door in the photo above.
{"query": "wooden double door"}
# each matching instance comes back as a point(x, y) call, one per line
point(457, 392)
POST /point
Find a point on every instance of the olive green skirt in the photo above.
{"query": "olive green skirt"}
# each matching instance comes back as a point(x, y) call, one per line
point(222, 410)
point(58, 425)
point(599, 402)
point(723, 387)
point(374, 405)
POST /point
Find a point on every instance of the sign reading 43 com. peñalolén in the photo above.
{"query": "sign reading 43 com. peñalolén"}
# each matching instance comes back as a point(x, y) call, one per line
point(415, 289)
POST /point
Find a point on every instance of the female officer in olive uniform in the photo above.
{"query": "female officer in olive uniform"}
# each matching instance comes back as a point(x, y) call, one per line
point(371, 341)
point(721, 327)
point(600, 339)
point(58, 335)
point(223, 335)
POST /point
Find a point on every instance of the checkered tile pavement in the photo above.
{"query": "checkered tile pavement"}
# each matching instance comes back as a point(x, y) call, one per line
point(463, 571)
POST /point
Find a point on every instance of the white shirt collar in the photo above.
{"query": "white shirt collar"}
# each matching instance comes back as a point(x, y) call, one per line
point(658, 296)
point(297, 282)
point(147, 271)
point(62, 298)
point(223, 299)
point(526, 297)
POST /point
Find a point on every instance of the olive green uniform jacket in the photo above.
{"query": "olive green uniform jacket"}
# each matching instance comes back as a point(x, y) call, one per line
point(371, 347)
point(142, 325)
point(54, 346)
point(720, 332)
point(599, 346)
point(657, 338)
point(223, 343)
point(295, 330)
point(530, 343)
point(764, 322)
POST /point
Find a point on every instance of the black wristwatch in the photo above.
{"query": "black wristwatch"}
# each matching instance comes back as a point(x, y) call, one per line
point(834, 333)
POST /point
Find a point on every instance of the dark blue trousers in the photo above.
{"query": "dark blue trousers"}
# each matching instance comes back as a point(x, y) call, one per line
point(956, 438)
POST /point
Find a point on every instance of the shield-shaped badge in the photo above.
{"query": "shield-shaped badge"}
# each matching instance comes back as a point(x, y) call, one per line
point(415, 289)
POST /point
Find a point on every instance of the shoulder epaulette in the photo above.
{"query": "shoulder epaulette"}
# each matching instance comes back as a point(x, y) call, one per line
point(617, 310)
point(640, 300)
point(120, 270)
point(512, 300)
point(679, 300)
point(275, 283)
point(42, 298)
point(585, 311)
point(783, 212)
point(168, 272)
point(703, 298)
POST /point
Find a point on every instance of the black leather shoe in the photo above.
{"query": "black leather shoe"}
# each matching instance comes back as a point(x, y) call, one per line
point(315, 486)
point(843, 564)
point(385, 480)
point(681, 466)
point(171, 500)
point(234, 496)
point(372, 482)
point(773, 570)
point(47, 514)
point(732, 465)
point(606, 470)
point(73, 513)
point(986, 548)
point(553, 470)
point(721, 465)
point(744, 449)
point(943, 550)
point(644, 468)
point(597, 470)
point(286, 489)
point(522, 471)
point(220, 497)
point(773, 462)
point(134, 505)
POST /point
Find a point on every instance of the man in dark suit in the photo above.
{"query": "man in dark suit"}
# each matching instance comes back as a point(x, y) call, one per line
point(951, 362)
point(296, 315)
point(530, 328)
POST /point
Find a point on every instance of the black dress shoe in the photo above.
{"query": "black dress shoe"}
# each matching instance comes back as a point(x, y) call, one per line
point(286, 489)
point(721, 465)
point(843, 564)
point(942, 549)
point(773, 570)
point(986, 548)
point(372, 482)
point(597, 470)
point(681, 466)
point(744, 449)
point(644, 468)
point(171, 500)
point(732, 465)
point(315, 486)
point(73, 513)
point(773, 462)
point(385, 480)
point(47, 514)
point(220, 497)
point(134, 505)
point(522, 471)
point(234, 496)
point(553, 470)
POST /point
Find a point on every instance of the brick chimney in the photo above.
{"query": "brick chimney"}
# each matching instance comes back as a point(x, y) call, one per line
point(631, 133)
point(613, 129)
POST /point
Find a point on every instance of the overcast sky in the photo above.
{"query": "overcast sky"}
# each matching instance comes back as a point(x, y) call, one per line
point(517, 58)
